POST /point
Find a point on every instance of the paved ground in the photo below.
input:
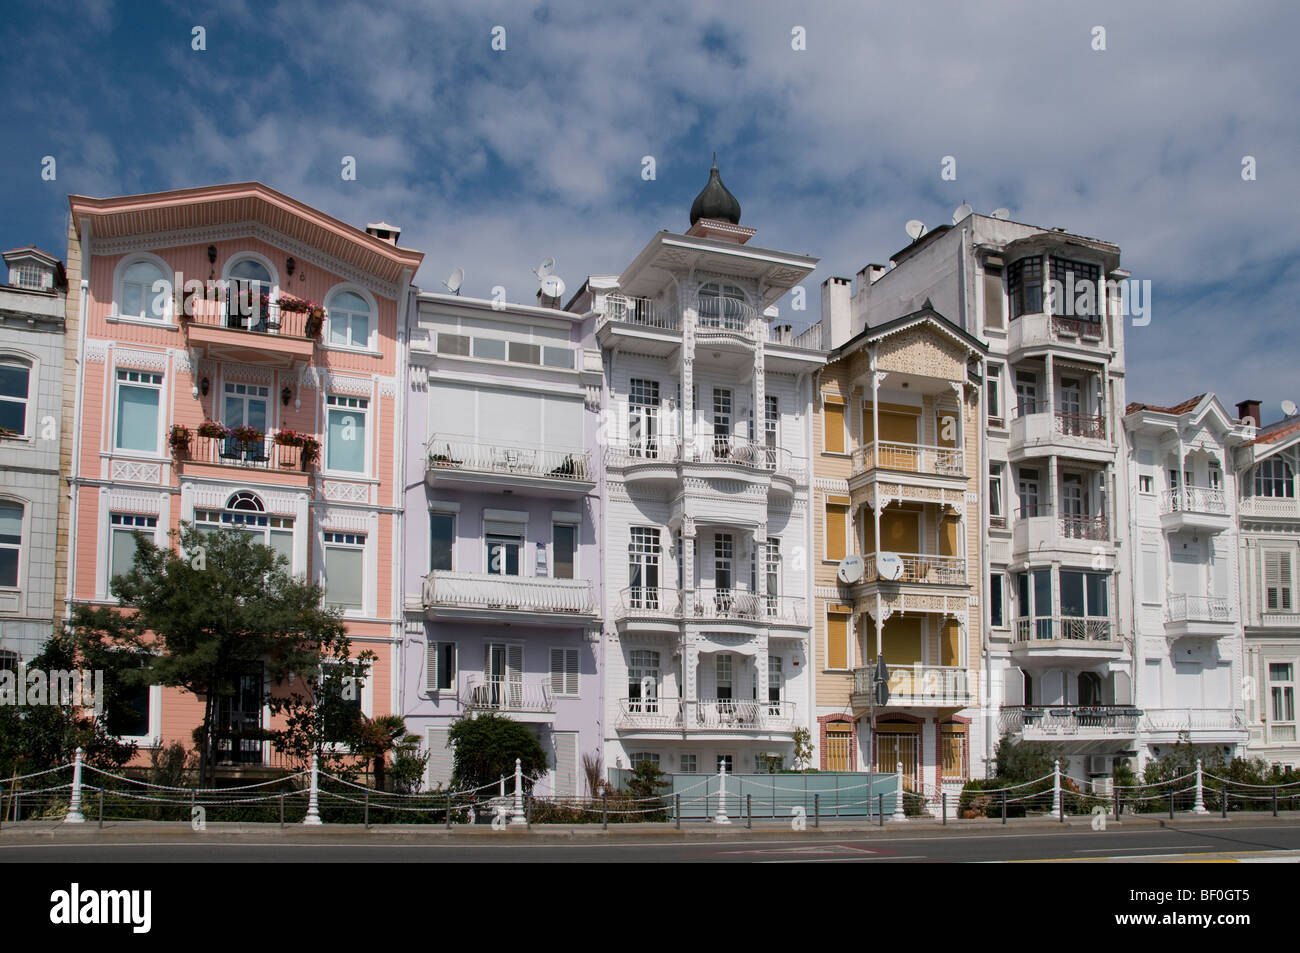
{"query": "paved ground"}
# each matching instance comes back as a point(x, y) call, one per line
point(1249, 838)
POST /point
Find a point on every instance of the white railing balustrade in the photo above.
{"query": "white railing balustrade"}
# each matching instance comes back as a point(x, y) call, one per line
point(1184, 608)
point(453, 452)
point(922, 568)
point(1194, 499)
point(1193, 719)
point(788, 609)
point(913, 457)
point(740, 604)
point(1070, 628)
point(497, 693)
point(1119, 720)
point(918, 684)
point(650, 712)
point(647, 602)
point(631, 453)
point(1271, 507)
point(641, 311)
point(470, 590)
point(718, 313)
point(723, 714)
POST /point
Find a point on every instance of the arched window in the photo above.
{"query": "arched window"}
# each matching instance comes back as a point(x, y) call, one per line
point(137, 296)
point(349, 316)
point(251, 282)
point(723, 306)
point(1273, 477)
point(15, 393)
point(246, 512)
point(11, 542)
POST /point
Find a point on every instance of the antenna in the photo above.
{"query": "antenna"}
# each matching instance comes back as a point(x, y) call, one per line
point(455, 280)
point(544, 270)
point(1289, 408)
point(915, 229)
point(961, 212)
point(1000, 213)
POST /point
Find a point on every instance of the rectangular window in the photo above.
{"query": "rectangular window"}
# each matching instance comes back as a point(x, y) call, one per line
point(523, 353)
point(558, 357)
point(564, 545)
point(129, 715)
point(832, 425)
point(773, 570)
point(774, 684)
point(996, 585)
point(453, 343)
point(490, 349)
point(1281, 677)
point(637, 758)
point(442, 537)
point(1028, 489)
point(344, 571)
point(836, 530)
point(11, 542)
point(564, 672)
point(993, 316)
point(771, 419)
point(993, 398)
point(643, 567)
point(952, 741)
point(122, 544)
point(643, 681)
point(345, 438)
point(689, 764)
point(1025, 286)
point(722, 664)
point(724, 762)
point(1145, 484)
point(139, 395)
point(995, 491)
point(1277, 581)
point(15, 379)
point(723, 552)
point(1079, 273)
point(643, 418)
point(440, 671)
point(837, 641)
point(721, 420)
point(503, 553)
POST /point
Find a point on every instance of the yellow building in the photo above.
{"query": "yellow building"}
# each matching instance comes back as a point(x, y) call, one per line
point(896, 468)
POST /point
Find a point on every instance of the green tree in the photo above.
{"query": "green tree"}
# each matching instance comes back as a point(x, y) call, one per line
point(374, 739)
point(1022, 761)
point(220, 607)
point(484, 749)
point(802, 748)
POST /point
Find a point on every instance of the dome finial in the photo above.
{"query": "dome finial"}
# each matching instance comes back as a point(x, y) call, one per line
point(714, 200)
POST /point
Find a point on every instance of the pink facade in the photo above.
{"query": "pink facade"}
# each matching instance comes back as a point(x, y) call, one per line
point(145, 364)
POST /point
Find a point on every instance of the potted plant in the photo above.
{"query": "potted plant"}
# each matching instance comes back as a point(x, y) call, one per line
point(310, 450)
point(213, 431)
point(179, 438)
point(246, 435)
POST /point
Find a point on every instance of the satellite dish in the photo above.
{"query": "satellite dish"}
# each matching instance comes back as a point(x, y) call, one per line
point(454, 281)
point(552, 286)
point(850, 569)
point(1289, 408)
point(889, 566)
point(961, 212)
point(915, 229)
point(1000, 213)
point(543, 271)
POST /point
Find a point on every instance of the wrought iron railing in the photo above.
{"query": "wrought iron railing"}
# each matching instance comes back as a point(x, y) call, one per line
point(264, 454)
point(1119, 720)
point(452, 452)
point(1189, 608)
point(490, 591)
point(1194, 499)
point(1070, 628)
point(501, 693)
point(650, 602)
point(1080, 526)
point(1092, 426)
point(1193, 719)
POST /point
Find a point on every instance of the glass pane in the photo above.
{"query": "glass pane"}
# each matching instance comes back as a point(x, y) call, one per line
point(338, 331)
point(1097, 602)
point(347, 301)
point(129, 715)
point(343, 577)
point(11, 523)
point(13, 380)
point(489, 348)
point(360, 331)
point(566, 538)
point(123, 556)
point(137, 418)
point(1043, 592)
point(557, 357)
point(347, 441)
point(441, 526)
point(255, 270)
point(282, 543)
point(8, 567)
point(1072, 593)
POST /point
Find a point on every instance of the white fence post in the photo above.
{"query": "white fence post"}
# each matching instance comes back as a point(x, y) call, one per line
point(899, 813)
point(313, 804)
point(517, 818)
point(1056, 788)
point(74, 809)
point(720, 816)
point(1199, 806)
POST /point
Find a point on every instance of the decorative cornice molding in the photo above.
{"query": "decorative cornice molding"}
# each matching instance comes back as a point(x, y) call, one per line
point(343, 384)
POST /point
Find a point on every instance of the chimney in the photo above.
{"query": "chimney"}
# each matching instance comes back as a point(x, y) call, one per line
point(384, 232)
point(837, 311)
point(1249, 408)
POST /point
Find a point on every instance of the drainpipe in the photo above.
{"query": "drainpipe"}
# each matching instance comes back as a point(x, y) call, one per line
point(814, 391)
point(398, 586)
point(84, 290)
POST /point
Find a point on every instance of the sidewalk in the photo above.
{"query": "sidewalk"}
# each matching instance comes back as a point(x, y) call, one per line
point(45, 831)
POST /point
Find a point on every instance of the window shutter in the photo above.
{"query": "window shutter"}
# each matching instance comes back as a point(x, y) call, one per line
point(439, 757)
point(515, 674)
point(1277, 581)
point(564, 671)
point(837, 641)
point(836, 517)
point(566, 764)
point(833, 424)
point(431, 671)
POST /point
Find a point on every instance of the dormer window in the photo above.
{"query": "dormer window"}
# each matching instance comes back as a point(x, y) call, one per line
point(28, 275)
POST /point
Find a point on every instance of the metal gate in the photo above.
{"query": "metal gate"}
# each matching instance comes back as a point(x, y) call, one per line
point(893, 747)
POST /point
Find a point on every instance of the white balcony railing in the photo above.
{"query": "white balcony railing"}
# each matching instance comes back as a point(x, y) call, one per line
point(1187, 608)
point(1069, 720)
point(741, 451)
point(649, 713)
point(639, 311)
point(1069, 628)
point(739, 604)
point(924, 568)
point(918, 684)
point(631, 453)
point(810, 338)
point(1193, 719)
point(708, 714)
point(1270, 507)
point(452, 452)
point(717, 313)
point(647, 602)
point(1194, 499)
point(468, 590)
point(913, 457)
point(495, 693)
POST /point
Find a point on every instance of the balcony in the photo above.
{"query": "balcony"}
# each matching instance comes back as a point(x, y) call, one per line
point(1205, 725)
point(1054, 723)
point(266, 455)
point(641, 312)
point(487, 597)
point(640, 324)
point(1041, 331)
point(915, 686)
point(1038, 429)
point(734, 451)
point(470, 463)
point(1270, 507)
point(268, 335)
point(523, 701)
point(706, 716)
point(1194, 508)
point(738, 605)
point(646, 459)
point(920, 569)
point(644, 602)
point(1056, 637)
point(720, 318)
point(1188, 616)
point(1038, 530)
point(910, 458)
point(808, 339)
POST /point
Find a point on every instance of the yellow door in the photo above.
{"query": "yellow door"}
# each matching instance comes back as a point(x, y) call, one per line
point(895, 744)
point(899, 531)
point(901, 640)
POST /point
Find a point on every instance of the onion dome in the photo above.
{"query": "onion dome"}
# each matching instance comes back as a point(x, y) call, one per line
point(714, 201)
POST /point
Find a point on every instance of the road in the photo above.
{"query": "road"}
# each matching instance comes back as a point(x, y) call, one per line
point(1245, 840)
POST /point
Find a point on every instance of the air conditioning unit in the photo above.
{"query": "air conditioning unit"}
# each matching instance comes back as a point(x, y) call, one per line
point(1098, 764)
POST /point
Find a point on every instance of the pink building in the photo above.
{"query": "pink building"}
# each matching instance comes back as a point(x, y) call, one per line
point(278, 369)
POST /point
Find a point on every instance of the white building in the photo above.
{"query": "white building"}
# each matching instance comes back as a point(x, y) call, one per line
point(707, 399)
point(1270, 550)
point(1188, 650)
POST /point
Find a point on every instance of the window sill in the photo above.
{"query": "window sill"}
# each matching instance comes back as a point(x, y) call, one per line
point(343, 349)
point(142, 322)
point(353, 477)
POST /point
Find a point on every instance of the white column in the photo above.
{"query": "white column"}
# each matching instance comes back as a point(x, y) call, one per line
point(720, 816)
point(74, 809)
point(313, 807)
point(517, 818)
point(1199, 806)
point(899, 814)
point(1056, 788)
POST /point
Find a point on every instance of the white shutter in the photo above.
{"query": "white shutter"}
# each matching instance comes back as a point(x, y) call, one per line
point(431, 661)
point(439, 758)
point(515, 674)
point(564, 671)
point(1277, 581)
point(566, 763)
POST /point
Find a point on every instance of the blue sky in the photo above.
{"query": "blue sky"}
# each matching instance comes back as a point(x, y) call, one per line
point(494, 160)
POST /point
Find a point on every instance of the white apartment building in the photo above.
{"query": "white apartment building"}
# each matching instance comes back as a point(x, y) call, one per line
point(1269, 527)
point(1188, 647)
point(1056, 634)
point(705, 488)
